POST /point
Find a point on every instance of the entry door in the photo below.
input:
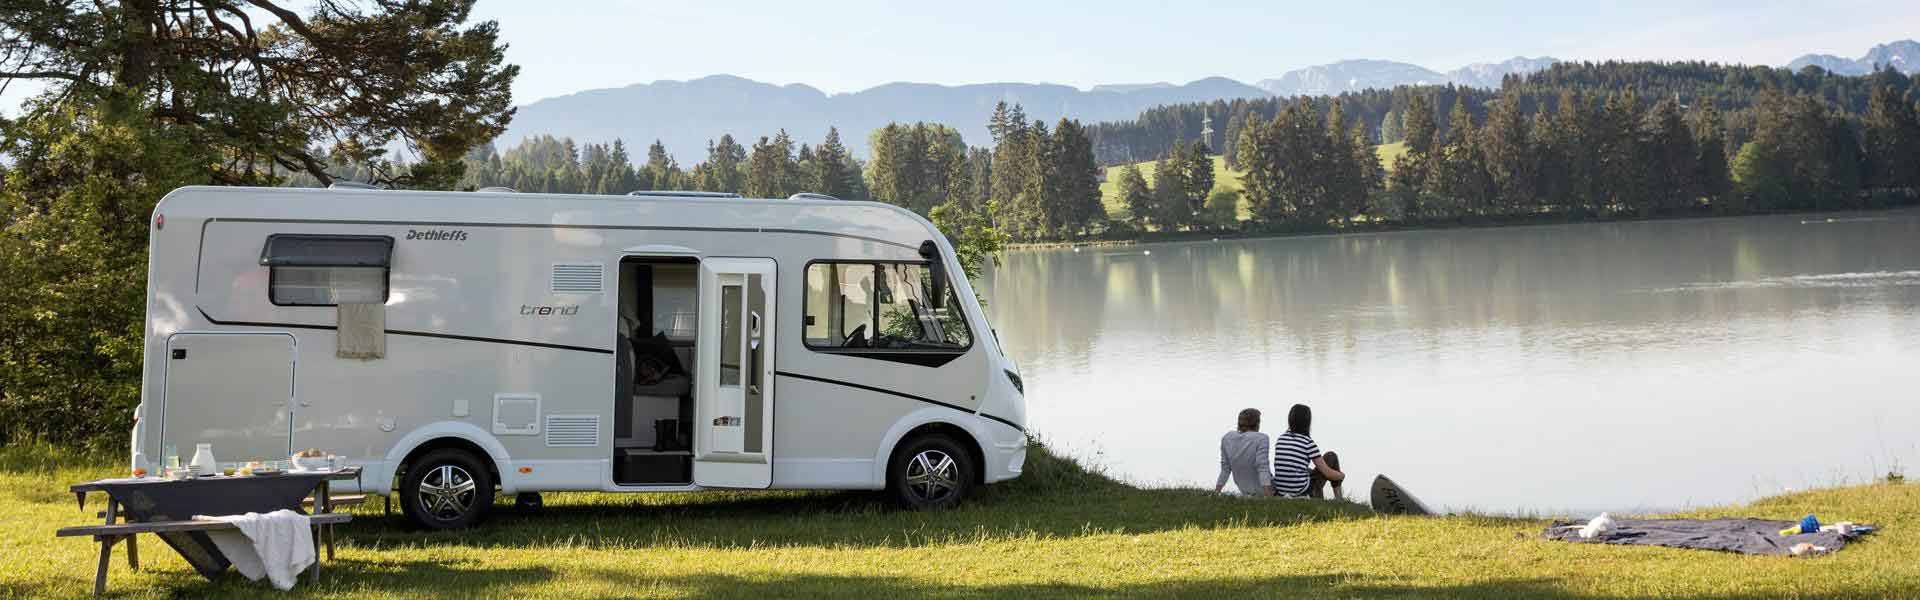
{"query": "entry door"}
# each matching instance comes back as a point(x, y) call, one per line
point(733, 414)
point(232, 390)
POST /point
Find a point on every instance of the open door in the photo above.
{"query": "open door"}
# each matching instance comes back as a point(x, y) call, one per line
point(733, 413)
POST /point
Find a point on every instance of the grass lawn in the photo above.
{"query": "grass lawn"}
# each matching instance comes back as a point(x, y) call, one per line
point(1059, 532)
point(1223, 179)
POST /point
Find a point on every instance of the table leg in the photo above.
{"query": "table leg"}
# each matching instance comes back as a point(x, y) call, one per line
point(133, 551)
point(316, 556)
point(100, 575)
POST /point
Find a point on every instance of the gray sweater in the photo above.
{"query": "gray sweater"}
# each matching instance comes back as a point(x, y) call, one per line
point(1243, 454)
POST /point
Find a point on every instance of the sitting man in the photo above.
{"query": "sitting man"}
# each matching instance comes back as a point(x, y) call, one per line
point(1243, 453)
point(1299, 469)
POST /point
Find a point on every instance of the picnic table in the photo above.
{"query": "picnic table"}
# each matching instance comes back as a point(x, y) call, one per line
point(166, 509)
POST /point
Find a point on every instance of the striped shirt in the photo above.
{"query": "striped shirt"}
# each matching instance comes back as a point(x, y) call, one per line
point(1293, 456)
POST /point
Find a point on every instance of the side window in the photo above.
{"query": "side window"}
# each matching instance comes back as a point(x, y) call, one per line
point(880, 306)
point(327, 270)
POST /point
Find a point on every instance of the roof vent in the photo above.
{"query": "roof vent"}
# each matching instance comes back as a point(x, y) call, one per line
point(810, 196)
point(682, 194)
point(497, 189)
point(351, 185)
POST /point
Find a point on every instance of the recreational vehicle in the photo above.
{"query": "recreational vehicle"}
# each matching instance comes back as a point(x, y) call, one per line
point(456, 345)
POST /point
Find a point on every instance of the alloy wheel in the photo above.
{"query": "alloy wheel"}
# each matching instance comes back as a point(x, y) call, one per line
point(447, 492)
point(932, 477)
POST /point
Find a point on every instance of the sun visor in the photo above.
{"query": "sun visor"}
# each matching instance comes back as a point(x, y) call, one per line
point(298, 250)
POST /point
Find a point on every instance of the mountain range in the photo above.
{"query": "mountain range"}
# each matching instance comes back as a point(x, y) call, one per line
point(1903, 55)
point(686, 115)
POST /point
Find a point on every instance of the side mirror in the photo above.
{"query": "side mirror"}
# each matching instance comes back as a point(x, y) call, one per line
point(937, 270)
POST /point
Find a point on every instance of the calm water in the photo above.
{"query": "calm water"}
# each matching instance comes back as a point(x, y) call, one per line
point(1558, 368)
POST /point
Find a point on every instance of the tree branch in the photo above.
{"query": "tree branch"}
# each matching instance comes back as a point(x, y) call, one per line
point(290, 18)
point(41, 75)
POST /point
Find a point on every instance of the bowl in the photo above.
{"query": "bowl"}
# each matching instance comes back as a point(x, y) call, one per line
point(316, 463)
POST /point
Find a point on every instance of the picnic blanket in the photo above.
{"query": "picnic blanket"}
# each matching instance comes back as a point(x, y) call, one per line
point(277, 545)
point(1746, 536)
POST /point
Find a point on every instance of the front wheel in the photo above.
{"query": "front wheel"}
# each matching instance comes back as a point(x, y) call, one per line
point(930, 473)
point(446, 489)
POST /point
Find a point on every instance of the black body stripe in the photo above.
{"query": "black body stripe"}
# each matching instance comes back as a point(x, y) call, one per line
point(444, 336)
point(899, 394)
point(553, 226)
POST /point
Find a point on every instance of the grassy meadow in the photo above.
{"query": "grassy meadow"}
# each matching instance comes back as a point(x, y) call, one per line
point(1223, 179)
point(1059, 532)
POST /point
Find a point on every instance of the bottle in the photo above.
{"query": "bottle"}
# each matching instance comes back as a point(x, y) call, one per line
point(203, 463)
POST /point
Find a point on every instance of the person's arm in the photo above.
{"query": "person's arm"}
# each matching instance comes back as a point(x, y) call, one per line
point(1320, 462)
point(1221, 483)
point(1266, 466)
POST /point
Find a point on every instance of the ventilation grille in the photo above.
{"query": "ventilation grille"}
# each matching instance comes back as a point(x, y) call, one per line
point(577, 278)
point(573, 431)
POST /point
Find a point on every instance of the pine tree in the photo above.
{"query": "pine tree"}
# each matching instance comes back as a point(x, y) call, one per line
point(830, 173)
point(1135, 195)
point(722, 171)
point(771, 169)
point(1511, 159)
point(1076, 178)
point(1892, 140)
point(1420, 129)
point(1196, 175)
point(1672, 159)
point(1711, 142)
point(1392, 128)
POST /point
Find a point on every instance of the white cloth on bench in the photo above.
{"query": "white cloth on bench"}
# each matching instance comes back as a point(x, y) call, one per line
point(278, 545)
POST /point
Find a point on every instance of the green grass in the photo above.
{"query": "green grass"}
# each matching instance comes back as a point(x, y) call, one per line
point(1389, 153)
point(1059, 532)
point(1223, 179)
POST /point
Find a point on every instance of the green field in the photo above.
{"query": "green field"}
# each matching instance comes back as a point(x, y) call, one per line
point(1059, 532)
point(1222, 179)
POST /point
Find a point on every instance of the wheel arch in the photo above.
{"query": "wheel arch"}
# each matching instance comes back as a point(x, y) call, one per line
point(933, 422)
point(461, 436)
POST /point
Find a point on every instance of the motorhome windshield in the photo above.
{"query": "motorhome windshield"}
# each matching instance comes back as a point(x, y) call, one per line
point(881, 306)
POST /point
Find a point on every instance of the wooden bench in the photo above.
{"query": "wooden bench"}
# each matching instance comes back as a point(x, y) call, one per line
point(108, 535)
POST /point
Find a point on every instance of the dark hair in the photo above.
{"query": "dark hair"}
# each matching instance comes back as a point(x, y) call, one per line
point(1249, 420)
point(1300, 420)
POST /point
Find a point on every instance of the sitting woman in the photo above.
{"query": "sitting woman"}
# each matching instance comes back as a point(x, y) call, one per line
point(1299, 468)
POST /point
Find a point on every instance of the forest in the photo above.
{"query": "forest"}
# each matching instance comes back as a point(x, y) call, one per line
point(1577, 141)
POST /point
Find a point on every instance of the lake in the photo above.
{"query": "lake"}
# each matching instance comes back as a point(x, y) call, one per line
point(1542, 369)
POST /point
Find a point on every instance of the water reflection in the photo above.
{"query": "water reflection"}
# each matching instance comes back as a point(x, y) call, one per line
point(1554, 368)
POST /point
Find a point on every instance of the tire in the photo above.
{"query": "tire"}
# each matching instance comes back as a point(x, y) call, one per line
point(952, 473)
point(427, 502)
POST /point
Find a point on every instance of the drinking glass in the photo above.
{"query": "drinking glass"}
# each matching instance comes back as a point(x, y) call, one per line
point(171, 456)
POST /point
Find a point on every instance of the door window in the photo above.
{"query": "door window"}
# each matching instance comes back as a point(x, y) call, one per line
point(730, 335)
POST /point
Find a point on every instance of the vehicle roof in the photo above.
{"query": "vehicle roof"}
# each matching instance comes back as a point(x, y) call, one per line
point(874, 220)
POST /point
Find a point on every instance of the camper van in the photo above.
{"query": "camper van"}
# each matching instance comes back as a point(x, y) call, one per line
point(459, 345)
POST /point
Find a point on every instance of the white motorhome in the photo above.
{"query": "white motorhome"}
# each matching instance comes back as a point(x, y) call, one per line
point(455, 343)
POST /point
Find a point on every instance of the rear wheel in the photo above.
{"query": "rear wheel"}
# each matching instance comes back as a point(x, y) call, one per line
point(930, 473)
point(446, 489)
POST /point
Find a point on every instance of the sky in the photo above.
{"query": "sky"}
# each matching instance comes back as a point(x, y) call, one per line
point(566, 46)
point(846, 46)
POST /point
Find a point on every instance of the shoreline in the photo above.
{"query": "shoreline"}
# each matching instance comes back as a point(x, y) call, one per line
point(1158, 237)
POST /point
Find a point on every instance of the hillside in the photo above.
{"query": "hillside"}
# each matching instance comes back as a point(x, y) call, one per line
point(1223, 179)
